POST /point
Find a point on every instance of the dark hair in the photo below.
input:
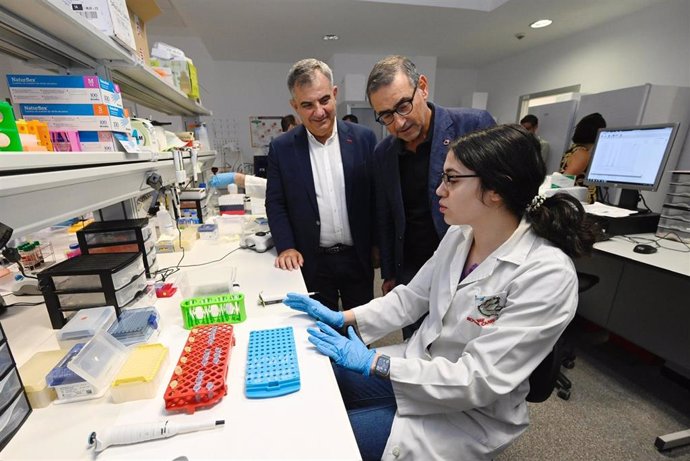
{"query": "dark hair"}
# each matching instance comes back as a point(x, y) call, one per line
point(507, 159)
point(531, 119)
point(304, 72)
point(385, 70)
point(586, 129)
point(286, 121)
point(351, 118)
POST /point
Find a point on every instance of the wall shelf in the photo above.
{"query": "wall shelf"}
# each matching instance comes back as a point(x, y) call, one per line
point(33, 200)
point(48, 32)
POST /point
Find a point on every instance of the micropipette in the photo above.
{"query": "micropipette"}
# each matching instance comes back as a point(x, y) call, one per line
point(135, 433)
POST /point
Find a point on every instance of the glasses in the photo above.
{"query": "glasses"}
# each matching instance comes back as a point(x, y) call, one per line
point(449, 178)
point(404, 107)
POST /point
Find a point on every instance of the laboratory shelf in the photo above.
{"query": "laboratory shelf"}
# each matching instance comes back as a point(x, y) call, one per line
point(35, 200)
point(52, 27)
point(50, 31)
point(30, 162)
point(141, 83)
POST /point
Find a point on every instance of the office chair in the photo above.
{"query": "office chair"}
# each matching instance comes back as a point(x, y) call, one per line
point(548, 375)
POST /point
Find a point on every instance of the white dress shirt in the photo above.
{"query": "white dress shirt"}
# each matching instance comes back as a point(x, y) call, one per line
point(329, 183)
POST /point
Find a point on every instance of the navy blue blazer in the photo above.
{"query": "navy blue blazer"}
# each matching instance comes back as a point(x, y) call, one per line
point(293, 213)
point(449, 124)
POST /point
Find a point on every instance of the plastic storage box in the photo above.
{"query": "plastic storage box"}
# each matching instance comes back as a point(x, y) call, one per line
point(120, 236)
point(135, 325)
point(33, 374)
point(141, 375)
point(14, 406)
point(107, 268)
point(84, 325)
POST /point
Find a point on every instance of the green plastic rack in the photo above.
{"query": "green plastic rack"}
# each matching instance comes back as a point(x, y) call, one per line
point(208, 310)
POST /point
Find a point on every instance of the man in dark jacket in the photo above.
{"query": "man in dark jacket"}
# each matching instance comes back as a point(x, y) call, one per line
point(408, 165)
point(319, 196)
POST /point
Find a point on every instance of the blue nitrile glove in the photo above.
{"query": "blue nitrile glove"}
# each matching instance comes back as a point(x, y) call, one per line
point(348, 353)
point(222, 179)
point(315, 309)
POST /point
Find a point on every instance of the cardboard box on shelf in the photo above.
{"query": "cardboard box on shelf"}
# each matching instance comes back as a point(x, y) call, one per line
point(141, 12)
point(78, 117)
point(63, 89)
point(108, 16)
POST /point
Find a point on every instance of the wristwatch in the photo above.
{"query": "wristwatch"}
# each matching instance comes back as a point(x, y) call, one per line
point(383, 366)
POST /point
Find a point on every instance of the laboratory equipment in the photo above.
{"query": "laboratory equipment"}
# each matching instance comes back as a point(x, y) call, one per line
point(121, 236)
point(112, 279)
point(14, 406)
point(272, 368)
point(84, 325)
point(9, 136)
point(259, 241)
point(135, 433)
point(206, 310)
point(632, 158)
point(208, 232)
point(141, 375)
point(199, 379)
point(33, 374)
point(135, 325)
point(675, 212)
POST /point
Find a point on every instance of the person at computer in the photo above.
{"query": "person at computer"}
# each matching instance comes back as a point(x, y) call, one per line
point(576, 159)
point(499, 291)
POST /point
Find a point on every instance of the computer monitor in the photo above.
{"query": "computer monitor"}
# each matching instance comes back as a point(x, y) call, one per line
point(631, 158)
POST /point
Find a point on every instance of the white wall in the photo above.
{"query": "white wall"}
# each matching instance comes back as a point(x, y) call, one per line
point(454, 87)
point(650, 46)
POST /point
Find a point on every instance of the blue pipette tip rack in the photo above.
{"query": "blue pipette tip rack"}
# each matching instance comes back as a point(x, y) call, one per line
point(272, 368)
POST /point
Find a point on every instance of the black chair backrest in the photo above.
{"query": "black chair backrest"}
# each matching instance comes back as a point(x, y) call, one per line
point(542, 381)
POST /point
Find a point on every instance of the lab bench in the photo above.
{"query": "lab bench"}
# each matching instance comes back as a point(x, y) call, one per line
point(285, 427)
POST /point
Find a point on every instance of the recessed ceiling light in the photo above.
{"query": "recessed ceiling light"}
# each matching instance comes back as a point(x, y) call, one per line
point(328, 37)
point(541, 23)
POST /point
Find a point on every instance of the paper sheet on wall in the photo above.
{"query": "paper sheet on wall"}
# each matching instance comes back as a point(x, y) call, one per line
point(263, 129)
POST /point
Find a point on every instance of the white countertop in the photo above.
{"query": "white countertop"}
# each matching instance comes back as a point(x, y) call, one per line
point(309, 424)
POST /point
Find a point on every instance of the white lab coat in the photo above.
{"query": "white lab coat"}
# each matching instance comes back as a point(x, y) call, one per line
point(255, 187)
point(460, 382)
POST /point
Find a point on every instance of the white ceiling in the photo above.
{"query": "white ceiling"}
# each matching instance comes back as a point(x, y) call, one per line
point(459, 33)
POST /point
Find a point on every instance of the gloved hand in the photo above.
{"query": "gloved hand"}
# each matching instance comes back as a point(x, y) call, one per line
point(222, 179)
point(315, 309)
point(348, 353)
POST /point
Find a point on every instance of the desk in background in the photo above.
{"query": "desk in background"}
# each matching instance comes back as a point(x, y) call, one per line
point(641, 297)
point(309, 424)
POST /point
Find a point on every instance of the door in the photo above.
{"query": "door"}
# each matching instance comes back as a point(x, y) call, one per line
point(555, 125)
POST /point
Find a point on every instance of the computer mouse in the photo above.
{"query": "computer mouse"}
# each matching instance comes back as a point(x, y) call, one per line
point(644, 249)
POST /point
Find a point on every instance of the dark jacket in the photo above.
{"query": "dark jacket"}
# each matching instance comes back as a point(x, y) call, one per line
point(293, 213)
point(449, 124)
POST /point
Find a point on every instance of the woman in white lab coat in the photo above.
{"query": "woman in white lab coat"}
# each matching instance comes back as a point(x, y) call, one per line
point(499, 290)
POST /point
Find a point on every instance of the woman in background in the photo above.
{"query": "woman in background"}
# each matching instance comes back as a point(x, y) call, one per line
point(576, 159)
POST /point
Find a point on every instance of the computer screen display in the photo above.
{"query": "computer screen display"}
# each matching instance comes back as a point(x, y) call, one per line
point(631, 157)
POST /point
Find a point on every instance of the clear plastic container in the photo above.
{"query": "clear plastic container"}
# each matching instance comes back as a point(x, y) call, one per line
point(33, 374)
point(84, 325)
point(100, 360)
point(9, 386)
point(212, 279)
point(5, 358)
point(68, 385)
point(141, 375)
point(128, 235)
point(13, 417)
point(123, 295)
point(88, 282)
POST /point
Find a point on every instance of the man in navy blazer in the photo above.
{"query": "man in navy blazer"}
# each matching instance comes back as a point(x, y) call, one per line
point(408, 165)
point(319, 197)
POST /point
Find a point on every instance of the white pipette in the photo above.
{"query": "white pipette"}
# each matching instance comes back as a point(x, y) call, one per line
point(135, 433)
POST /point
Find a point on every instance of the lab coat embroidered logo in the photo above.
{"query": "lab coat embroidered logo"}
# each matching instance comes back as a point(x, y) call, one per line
point(490, 307)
